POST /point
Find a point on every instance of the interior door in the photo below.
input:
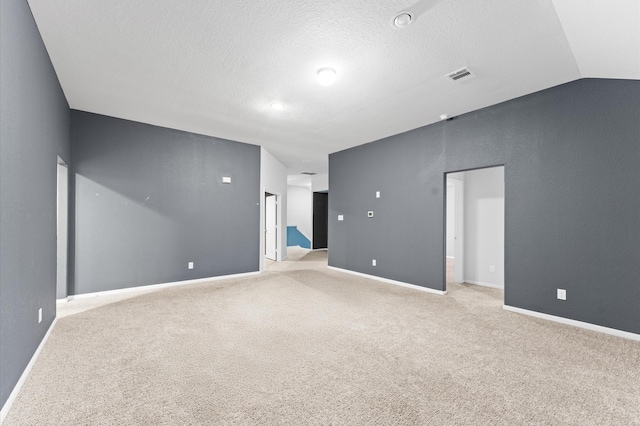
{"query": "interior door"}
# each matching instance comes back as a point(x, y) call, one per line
point(271, 227)
point(320, 220)
point(61, 230)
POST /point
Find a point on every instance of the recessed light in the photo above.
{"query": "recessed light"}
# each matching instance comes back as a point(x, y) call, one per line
point(326, 76)
point(402, 19)
point(277, 106)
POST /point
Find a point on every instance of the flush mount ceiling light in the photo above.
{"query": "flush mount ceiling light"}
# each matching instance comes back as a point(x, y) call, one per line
point(402, 20)
point(277, 106)
point(326, 76)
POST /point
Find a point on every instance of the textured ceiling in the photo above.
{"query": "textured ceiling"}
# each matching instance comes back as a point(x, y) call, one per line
point(214, 67)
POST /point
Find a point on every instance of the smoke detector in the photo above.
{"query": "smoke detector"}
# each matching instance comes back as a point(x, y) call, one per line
point(402, 20)
point(462, 73)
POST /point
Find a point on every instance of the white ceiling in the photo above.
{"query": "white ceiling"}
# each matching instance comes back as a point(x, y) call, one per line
point(214, 67)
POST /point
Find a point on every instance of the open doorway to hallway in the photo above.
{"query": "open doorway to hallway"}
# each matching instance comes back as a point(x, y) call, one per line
point(475, 227)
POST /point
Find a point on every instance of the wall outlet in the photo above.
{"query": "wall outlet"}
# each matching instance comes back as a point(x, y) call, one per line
point(340, 217)
point(373, 262)
point(377, 194)
point(190, 266)
point(562, 294)
point(492, 268)
point(39, 315)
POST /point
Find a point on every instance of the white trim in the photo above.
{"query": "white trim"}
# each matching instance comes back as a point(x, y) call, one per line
point(16, 389)
point(388, 281)
point(158, 286)
point(451, 257)
point(484, 284)
point(585, 325)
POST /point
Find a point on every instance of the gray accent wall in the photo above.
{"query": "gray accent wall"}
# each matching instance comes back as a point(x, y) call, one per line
point(149, 200)
point(34, 130)
point(572, 221)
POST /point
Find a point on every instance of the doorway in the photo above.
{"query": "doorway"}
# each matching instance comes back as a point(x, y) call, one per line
point(271, 226)
point(474, 223)
point(320, 220)
point(62, 221)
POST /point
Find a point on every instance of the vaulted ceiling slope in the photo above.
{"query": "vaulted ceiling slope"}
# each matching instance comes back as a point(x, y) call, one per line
point(215, 67)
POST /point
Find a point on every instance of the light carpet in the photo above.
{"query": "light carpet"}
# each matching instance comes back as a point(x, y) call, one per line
point(304, 345)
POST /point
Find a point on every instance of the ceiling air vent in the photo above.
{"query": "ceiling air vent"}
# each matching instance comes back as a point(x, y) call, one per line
point(460, 74)
point(308, 173)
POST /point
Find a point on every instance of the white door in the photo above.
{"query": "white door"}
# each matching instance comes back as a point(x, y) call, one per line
point(61, 232)
point(459, 230)
point(455, 226)
point(271, 229)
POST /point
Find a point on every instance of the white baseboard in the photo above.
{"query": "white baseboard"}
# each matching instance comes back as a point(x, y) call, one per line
point(16, 389)
point(159, 286)
point(484, 284)
point(585, 325)
point(388, 281)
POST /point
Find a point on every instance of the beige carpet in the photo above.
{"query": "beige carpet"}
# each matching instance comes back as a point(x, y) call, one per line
point(304, 345)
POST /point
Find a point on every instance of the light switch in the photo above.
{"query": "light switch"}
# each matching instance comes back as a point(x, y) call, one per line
point(226, 179)
point(369, 214)
point(340, 217)
point(377, 194)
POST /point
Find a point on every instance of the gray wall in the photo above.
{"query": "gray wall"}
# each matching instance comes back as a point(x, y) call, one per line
point(34, 130)
point(571, 156)
point(148, 200)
